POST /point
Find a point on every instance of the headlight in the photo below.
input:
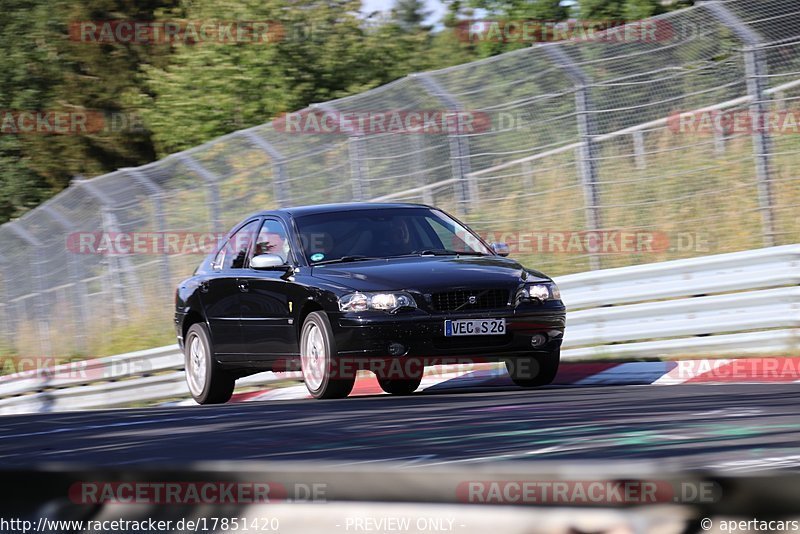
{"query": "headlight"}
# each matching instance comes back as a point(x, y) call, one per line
point(539, 292)
point(357, 302)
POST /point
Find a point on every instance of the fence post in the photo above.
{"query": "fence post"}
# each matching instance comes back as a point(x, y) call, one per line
point(459, 145)
point(527, 175)
point(41, 304)
point(124, 284)
point(280, 185)
point(588, 150)
point(355, 153)
point(74, 273)
point(640, 158)
point(720, 138)
point(7, 315)
point(212, 188)
point(419, 168)
point(756, 72)
point(156, 194)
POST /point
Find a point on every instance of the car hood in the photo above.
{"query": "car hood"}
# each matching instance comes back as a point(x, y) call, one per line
point(426, 274)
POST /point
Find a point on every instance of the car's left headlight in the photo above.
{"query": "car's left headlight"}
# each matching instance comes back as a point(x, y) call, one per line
point(357, 302)
point(540, 292)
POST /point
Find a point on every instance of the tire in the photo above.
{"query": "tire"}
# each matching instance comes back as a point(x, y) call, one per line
point(317, 352)
point(208, 382)
point(534, 371)
point(400, 386)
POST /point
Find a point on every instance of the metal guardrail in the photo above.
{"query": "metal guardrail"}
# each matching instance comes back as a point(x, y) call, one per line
point(729, 304)
point(739, 303)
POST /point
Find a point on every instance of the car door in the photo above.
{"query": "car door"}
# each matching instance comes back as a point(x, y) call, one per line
point(270, 297)
point(219, 292)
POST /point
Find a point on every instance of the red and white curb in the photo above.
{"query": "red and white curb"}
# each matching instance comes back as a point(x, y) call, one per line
point(488, 376)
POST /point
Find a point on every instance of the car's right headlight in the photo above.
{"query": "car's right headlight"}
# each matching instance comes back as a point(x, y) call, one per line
point(357, 302)
point(538, 292)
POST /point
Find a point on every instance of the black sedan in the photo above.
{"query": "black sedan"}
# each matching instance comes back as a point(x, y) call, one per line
point(392, 288)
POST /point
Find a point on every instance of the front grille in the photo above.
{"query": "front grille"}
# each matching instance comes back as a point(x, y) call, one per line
point(485, 299)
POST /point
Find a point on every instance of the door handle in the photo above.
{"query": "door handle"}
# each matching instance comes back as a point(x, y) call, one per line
point(244, 286)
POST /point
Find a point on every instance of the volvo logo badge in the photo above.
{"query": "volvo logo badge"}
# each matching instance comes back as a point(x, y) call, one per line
point(472, 299)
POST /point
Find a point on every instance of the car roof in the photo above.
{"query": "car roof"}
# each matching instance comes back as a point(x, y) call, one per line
point(348, 206)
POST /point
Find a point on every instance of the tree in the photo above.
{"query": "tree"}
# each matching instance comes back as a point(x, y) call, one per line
point(45, 71)
point(618, 10)
point(327, 52)
point(410, 15)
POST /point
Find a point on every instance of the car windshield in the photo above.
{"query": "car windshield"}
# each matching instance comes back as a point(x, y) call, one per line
point(384, 233)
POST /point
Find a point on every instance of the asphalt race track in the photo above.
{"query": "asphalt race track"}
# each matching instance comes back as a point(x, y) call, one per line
point(731, 427)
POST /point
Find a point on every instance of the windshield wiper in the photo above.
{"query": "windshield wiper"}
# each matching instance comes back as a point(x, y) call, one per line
point(343, 259)
point(446, 252)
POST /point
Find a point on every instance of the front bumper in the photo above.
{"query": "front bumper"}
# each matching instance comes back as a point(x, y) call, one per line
point(421, 334)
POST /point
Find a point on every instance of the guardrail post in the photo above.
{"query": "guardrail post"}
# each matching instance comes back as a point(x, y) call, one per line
point(74, 272)
point(459, 144)
point(756, 72)
point(41, 307)
point(121, 274)
point(156, 194)
point(587, 130)
point(280, 185)
point(212, 188)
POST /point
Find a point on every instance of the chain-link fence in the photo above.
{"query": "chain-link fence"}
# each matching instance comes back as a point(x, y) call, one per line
point(581, 161)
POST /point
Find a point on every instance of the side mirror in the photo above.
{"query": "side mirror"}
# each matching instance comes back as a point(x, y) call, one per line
point(268, 262)
point(501, 249)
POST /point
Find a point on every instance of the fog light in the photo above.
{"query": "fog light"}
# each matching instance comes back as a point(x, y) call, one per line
point(397, 349)
point(538, 340)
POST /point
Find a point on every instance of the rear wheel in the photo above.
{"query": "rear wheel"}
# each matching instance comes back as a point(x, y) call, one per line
point(533, 371)
point(400, 386)
point(317, 350)
point(208, 382)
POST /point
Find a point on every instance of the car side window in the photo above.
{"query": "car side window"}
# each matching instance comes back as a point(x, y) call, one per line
point(273, 239)
point(234, 254)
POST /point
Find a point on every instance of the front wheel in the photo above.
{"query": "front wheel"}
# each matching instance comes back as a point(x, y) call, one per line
point(533, 371)
point(208, 382)
point(323, 378)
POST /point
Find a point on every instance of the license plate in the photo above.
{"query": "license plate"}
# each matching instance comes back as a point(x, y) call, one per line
point(474, 327)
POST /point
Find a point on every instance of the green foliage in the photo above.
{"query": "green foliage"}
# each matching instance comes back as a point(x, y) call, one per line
point(181, 95)
point(410, 14)
point(45, 71)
